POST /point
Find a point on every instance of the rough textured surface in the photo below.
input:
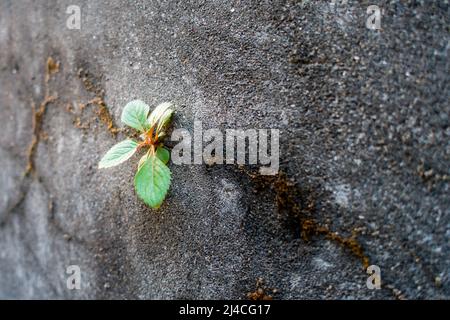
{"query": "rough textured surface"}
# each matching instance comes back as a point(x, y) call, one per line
point(364, 119)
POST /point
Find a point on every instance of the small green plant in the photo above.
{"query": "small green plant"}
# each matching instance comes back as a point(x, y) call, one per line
point(152, 179)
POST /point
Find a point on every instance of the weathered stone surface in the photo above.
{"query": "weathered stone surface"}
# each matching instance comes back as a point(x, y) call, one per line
point(364, 140)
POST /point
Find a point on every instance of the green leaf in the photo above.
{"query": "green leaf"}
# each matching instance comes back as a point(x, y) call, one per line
point(164, 120)
point(163, 154)
point(152, 181)
point(161, 115)
point(135, 115)
point(118, 154)
point(142, 160)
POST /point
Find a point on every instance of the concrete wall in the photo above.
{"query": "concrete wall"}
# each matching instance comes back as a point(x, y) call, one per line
point(363, 116)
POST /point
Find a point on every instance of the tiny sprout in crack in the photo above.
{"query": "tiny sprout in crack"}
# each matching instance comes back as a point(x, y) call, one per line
point(152, 178)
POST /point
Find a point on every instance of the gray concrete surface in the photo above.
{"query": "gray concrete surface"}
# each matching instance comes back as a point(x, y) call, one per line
point(364, 120)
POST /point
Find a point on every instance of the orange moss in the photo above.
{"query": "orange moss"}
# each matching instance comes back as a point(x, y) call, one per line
point(104, 115)
point(310, 228)
point(288, 196)
point(260, 292)
point(102, 111)
point(52, 67)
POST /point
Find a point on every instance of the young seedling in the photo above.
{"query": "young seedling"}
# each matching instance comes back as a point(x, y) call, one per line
point(152, 178)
